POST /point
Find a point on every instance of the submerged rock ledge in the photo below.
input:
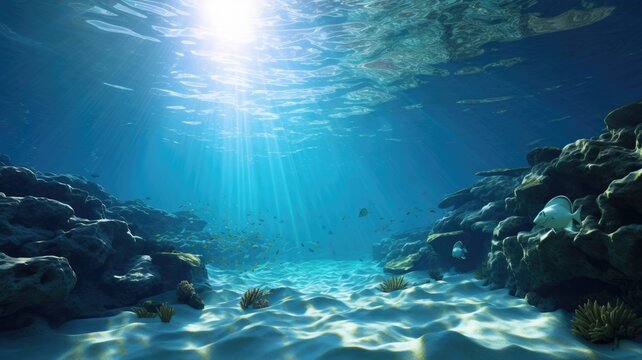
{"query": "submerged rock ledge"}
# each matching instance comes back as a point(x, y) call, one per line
point(69, 250)
point(553, 268)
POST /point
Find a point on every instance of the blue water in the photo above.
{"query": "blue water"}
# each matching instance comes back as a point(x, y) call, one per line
point(300, 113)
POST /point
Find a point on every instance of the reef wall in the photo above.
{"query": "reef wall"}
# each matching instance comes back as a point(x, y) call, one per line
point(556, 268)
point(68, 249)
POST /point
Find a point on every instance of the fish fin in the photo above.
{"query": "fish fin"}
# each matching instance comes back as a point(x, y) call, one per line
point(463, 257)
point(562, 201)
point(577, 215)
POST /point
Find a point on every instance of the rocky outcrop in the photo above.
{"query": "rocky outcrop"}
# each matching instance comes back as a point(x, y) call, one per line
point(147, 222)
point(63, 255)
point(27, 282)
point(627, 116)
point(406, 251)
point(423, 259)
point(557, 268)
point(542, 155)
point(503, 172)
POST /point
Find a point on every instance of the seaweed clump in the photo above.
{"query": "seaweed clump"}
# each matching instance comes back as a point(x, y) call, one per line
point(142, 312)
point(186, 294)
point(602, 324)
point(165, 312)
point(393, 284)
point(254, 297)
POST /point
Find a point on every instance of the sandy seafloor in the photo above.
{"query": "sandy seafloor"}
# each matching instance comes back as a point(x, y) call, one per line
point(326, 310)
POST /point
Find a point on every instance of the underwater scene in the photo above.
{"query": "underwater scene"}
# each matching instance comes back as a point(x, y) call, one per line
point(321, 179)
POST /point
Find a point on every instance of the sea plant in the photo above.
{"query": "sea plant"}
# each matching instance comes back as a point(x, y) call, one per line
point(605, 323)
point(254, 297)
point(165, 312)
point(142, 312)
point(394, 283)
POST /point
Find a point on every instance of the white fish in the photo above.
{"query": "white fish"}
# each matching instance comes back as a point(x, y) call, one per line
point(558, 213)
point(459, 250)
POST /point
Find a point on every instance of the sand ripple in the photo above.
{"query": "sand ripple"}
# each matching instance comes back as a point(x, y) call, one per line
point(326, 310)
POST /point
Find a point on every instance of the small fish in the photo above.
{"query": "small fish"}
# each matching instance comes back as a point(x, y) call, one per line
point(311, 250)
point(459, 251)
point(558, 213)
point(363, 212)
point(431, 210)
point(95, 175)
point(302, 245)
point(277, 252)
point(147, 198)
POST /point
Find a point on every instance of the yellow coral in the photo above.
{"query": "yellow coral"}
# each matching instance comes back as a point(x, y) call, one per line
point(165, 312)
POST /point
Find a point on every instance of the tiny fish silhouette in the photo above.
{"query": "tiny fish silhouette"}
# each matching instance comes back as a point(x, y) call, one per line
point(363, 212)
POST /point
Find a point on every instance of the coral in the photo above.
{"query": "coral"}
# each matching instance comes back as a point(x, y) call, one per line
point(261, 303)
point(165, 312)
point(254, 297)
point(186, 294)
point(598, 323)
point(142, 312)
point(393, 284)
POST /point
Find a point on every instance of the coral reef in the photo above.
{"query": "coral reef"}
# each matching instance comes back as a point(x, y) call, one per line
point(605, 323)
point(142, 312)
point(393, 284)
point(254, 297)
point(63, 255)
point(551, 269)
point(165, 312)
point(406, 251)
point(186, 294)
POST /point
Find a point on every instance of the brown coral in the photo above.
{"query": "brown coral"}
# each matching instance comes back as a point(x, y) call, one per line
point(186, 294)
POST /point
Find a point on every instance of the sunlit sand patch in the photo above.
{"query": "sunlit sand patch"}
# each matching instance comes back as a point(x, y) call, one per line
point(328, 309)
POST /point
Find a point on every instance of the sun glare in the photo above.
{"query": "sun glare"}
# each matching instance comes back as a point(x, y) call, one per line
point(232, 21)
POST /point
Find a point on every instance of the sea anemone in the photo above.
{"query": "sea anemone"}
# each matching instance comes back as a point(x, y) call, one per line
point(394, 283)
point(254, 297)
point(165, 312)
point(599, 324)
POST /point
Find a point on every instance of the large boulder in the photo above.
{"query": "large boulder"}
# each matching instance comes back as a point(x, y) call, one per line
point(27, 282)
point(423, 259)
point(625, 116)
point(21, 182)
point(176, 266)
point(137, 279)
point(87, 246)
point(543, 155)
